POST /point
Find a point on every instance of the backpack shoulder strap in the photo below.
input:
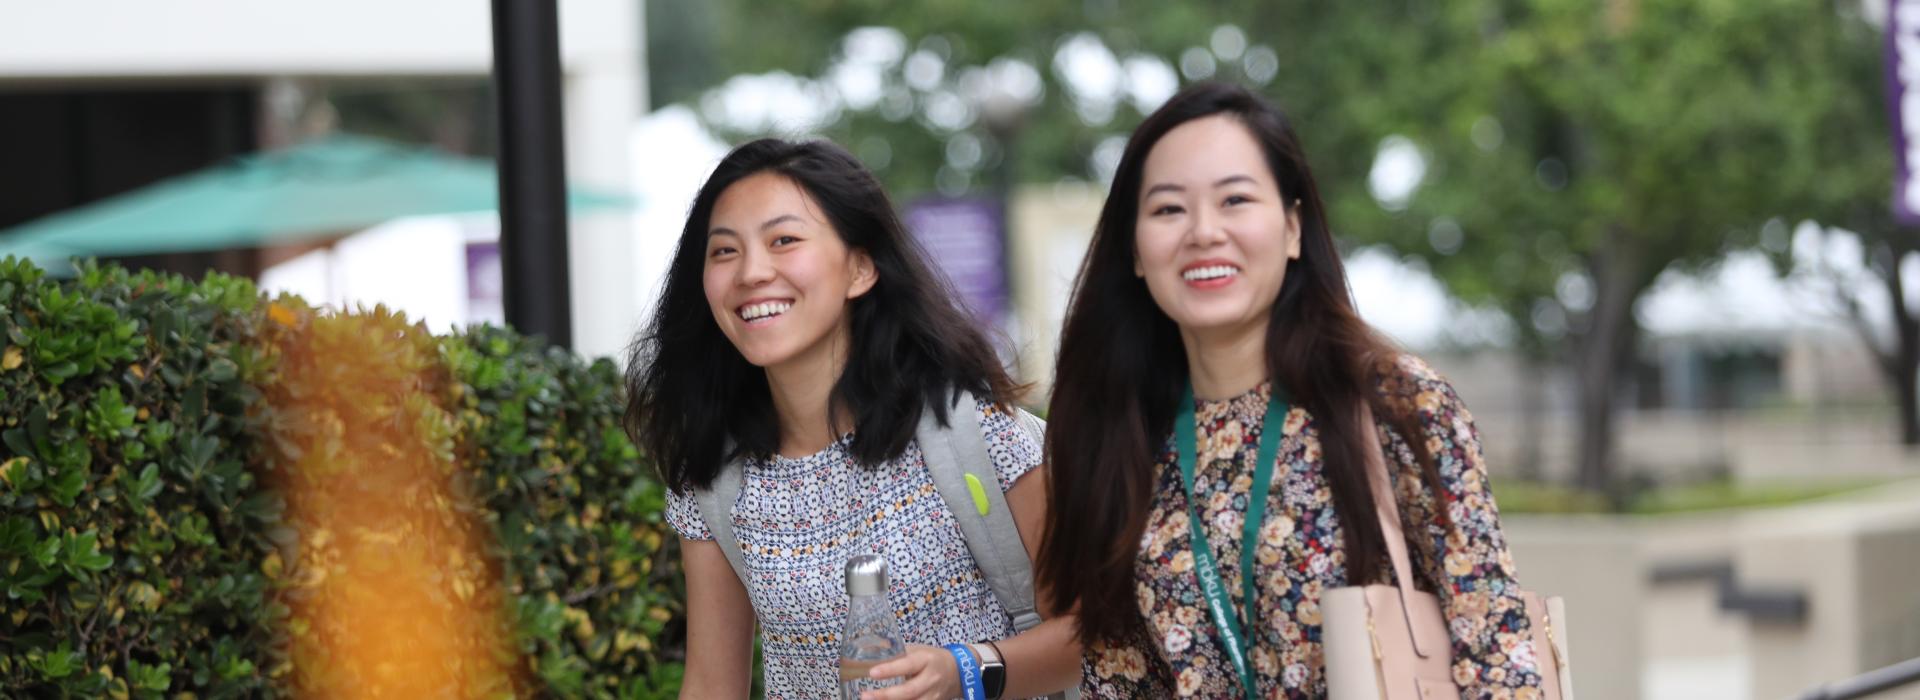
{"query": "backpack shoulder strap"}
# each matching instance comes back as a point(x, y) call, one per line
point(963, 473)
point(716, 508)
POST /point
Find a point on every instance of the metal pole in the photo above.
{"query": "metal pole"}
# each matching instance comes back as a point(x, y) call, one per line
point(533, 197)
point(1869, 683)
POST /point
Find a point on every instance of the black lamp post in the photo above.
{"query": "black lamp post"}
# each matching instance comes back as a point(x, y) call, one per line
point(533, 196)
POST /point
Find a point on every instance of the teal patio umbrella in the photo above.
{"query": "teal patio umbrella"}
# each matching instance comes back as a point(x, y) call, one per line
point(315, 190)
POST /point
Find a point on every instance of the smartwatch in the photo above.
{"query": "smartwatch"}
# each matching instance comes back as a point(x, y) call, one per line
point(993, 669)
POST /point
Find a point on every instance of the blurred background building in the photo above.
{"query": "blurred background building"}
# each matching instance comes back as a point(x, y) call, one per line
point(101, 97)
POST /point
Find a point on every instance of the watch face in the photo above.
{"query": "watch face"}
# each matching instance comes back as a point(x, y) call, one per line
point(994, 677)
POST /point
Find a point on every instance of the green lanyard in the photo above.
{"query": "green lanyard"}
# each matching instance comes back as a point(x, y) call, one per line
point(1232, 631)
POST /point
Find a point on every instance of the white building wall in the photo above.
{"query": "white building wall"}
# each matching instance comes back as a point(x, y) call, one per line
point(602, 57)
point(210, 38)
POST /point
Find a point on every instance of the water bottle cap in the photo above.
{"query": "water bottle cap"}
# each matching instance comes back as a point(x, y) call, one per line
point(866, 575)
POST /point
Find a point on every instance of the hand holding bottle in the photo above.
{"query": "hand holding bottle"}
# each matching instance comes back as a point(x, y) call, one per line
point(923, 673)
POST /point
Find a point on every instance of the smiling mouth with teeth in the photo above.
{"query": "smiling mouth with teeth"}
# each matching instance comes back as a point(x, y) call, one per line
point(763, 311)
point(1210, 272)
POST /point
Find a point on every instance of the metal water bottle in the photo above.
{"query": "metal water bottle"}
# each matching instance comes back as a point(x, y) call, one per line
point(872, 635)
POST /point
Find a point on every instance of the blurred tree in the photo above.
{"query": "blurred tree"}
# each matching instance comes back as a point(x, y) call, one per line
point(928, 93)
point(1583, 149)
point(1853, 191)
point(1546, 159)
point(1570, 152)
point(683, 49)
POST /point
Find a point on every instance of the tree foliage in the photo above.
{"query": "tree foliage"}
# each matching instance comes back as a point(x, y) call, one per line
point(1573, 150)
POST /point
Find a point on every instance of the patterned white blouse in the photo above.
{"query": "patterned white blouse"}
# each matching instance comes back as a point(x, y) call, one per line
point(798, 520)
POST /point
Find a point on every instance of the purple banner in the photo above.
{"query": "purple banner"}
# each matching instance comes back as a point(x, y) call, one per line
point(963, 237)
point(486, 301)
point(1903, 77)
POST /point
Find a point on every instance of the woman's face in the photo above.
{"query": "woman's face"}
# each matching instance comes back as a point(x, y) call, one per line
point(778, 277)
point(1214, 232)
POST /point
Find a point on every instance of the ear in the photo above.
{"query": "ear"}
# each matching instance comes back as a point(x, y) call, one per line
point(1137, 270)
point(865, 275)
point(1293, 231)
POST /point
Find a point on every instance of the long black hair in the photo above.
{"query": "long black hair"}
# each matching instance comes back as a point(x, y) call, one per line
point(692, 395)
point(1122, 370)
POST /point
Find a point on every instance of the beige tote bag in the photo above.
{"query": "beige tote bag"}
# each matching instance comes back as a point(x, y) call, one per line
point(1391, 643)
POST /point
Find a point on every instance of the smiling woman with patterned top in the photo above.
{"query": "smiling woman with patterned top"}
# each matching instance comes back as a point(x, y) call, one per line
point(1209, 397)
point(802, 333)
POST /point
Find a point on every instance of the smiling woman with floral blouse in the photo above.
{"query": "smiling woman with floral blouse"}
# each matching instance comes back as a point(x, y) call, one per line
point(1213, 371)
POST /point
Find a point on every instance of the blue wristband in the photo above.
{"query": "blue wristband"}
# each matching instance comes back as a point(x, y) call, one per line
point(973, 685)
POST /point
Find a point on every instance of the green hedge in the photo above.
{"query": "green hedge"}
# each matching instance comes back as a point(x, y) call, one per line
point(161, 437)
point(132, 520)
point(591, 562)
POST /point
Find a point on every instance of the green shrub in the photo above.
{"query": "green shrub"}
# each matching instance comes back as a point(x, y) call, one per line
point(151, 426)
point(593, 568)
point(132, 522)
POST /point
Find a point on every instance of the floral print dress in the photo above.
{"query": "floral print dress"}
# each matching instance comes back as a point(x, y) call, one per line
point(1299, 556)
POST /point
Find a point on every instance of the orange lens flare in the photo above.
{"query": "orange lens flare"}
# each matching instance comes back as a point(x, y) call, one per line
point(392, 590)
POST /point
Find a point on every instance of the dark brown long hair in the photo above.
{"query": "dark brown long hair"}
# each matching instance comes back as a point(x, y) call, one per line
point(1122, 370)
point(694, 401)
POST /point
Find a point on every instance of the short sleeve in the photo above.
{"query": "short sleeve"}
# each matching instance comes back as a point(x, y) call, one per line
point(1013, 441)
point(683, 514)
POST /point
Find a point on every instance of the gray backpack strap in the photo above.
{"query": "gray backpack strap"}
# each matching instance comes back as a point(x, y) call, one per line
point(716, 507)
point(954, 454)
point(993, 538)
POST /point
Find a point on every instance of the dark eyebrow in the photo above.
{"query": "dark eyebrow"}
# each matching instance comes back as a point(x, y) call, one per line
point(779, 219)
point(1222, 182)
point(783, 218)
